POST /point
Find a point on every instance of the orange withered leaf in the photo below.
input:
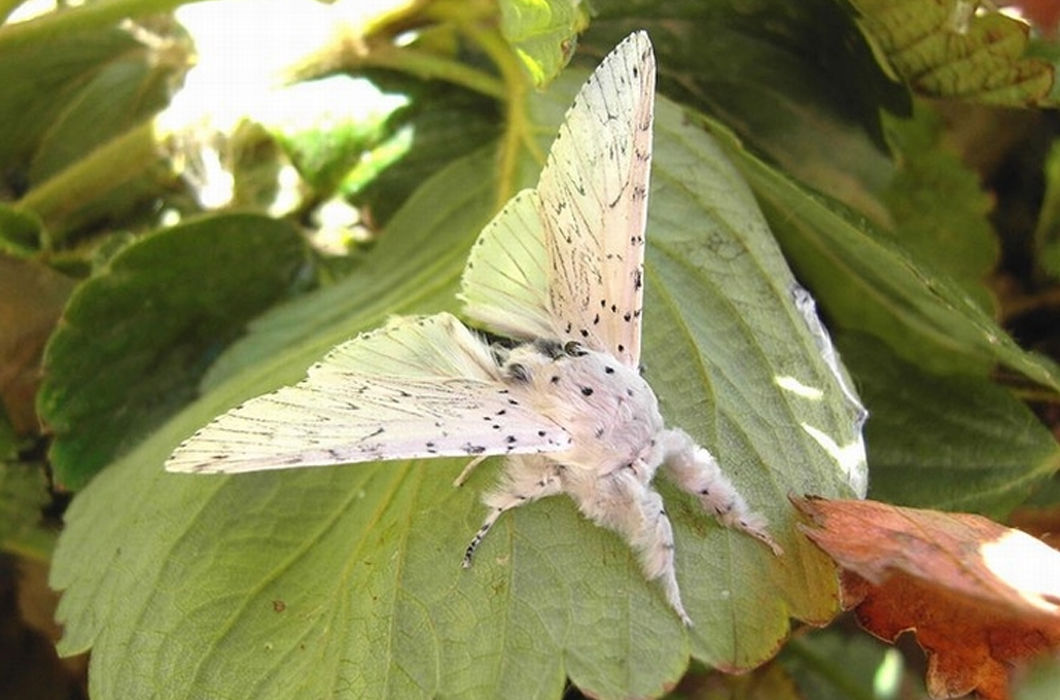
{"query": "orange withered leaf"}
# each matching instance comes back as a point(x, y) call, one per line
point(980, 597)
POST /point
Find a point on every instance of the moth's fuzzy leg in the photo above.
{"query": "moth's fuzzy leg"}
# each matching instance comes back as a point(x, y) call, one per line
point(466, 473)
point(526, 478)
point(696, 471)
point(621, 502)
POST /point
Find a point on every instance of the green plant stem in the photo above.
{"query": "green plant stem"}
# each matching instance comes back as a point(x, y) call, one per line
point(89, 16)
point(107, 167)
point(517, 128)
point(430, 66)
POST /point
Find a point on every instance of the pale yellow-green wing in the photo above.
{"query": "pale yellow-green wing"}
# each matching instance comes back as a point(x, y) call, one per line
point(505, 282)
point(565, 260)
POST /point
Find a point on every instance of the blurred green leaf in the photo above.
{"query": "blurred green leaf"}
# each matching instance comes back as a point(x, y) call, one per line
point(32, 100)
point(769, 682)
point(954, 443)
point(129, 88)
point(938, 206)
point(1047, 232)
point(440, 123)
point(32, 297)
point(796, 81)
point(23, 495)
point(134, 337)
point(835, 664)
point(20, 232)
point(948, 48)
point(348, 577)
point(543, 33)
point(1040, 682)
point(326, 144)
point(62, 98)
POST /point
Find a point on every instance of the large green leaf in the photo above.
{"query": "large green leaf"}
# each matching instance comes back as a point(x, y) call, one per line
point(867, 282)
point(947, 442)
point(134, 337)
point(346, 581)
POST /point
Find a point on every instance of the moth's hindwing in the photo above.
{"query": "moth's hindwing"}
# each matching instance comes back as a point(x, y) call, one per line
point(505, 282)
point(565, 260)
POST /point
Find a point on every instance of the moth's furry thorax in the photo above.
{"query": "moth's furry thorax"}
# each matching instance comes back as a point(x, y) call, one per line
point(608, 409)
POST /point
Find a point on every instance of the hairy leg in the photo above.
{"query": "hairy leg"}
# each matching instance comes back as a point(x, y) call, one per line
point(621, 502)
point(696, 471)
point(526, 478)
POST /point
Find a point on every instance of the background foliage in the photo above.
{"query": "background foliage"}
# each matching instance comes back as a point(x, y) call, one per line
point(173, 240)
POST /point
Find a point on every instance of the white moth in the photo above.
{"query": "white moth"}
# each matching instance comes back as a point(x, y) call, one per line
point(560, 271)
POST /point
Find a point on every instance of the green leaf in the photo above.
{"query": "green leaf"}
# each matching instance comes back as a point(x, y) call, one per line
point(60, 99)
point(20, 232)
point(346, 581)
point(32, 297)
point(543, 33)
point(1040, 682)
point(938, 206)
point(23, 495)
point(947, 48)
point(1047, 231)
point(794, 80)
point(134, 337)
point(126, 90)
point(440, 123)
point(835, 664)
point(326, 145)
point(953, 443)
point(31, 100)
point(865, 282)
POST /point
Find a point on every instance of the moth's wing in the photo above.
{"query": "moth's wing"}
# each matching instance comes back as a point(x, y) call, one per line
point(505, 282)
point(421, 387)
point(594, 197)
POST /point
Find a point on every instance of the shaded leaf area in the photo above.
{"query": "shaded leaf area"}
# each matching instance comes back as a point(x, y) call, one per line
point(952, 442)
point(441, 122)
point(769, 682)
point(979, 597)
point(86, 90)
point(20, 232)
point(946, 48)
point(796, 81)
point(809, 659)
point(346, 581)
point(938, 206)
point(70, 79)
point(134, 338)
point(866, 282)
point(23, 497)
point(543, 34)
point(1047, 231)
point(32, 297)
